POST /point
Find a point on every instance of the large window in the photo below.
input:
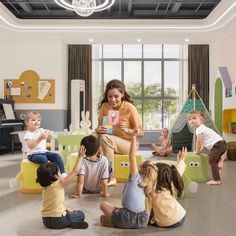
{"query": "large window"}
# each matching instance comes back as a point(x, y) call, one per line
point(153, 75)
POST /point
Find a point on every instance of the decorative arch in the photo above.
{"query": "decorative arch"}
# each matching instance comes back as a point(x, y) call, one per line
point(218, 104)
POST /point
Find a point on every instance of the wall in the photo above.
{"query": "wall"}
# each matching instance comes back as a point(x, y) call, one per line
point(226, 56)
point(49, 60)
point(45, 50)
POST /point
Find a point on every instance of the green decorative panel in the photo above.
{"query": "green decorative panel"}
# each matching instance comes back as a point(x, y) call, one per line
point(218, 104)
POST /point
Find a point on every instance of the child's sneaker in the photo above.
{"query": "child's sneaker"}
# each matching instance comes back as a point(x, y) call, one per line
point(14, 183)
point(63, 175)
point(79, 225)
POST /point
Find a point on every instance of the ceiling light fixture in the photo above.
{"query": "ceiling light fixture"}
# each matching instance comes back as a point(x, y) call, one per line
point(85, 7)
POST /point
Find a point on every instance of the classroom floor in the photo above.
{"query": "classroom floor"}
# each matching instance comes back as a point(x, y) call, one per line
point(210, 212)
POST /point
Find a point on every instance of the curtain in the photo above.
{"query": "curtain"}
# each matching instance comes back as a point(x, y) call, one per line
point(198, 71)
point(80, 67)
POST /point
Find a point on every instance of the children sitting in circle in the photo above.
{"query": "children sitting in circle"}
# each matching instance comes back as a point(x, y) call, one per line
point(208, 138)
point(54, 213)
point(95, 170)
point(35, 139)
point(162, 183)
point(163, 147)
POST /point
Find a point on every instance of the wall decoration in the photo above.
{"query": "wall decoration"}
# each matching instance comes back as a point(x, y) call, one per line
point(226, 80)
point(29, 88)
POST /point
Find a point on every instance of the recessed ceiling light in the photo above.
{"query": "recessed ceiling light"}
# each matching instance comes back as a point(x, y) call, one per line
point(139, 40)
point(91, 40)
point(186, 40)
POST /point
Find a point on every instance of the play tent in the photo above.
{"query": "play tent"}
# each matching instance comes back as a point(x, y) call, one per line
point(182, 134)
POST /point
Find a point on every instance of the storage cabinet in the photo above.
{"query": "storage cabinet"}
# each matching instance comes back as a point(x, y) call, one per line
point(229, 119)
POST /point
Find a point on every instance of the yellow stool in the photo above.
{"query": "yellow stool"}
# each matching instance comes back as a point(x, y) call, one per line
point(71, 161)
point(27, 177)
point(122, 166)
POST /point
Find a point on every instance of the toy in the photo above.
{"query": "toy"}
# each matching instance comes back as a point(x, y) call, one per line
point(85, 123)
point(113, 117)
point(106, 125)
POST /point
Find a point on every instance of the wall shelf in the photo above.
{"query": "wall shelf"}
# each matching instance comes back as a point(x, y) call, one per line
point(229, 116)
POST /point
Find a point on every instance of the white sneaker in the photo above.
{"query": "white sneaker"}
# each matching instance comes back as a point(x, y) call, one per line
point(14, 183)
point(63, 175)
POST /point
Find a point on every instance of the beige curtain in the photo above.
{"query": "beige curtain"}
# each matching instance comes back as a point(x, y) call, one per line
point(80, 67)
point(198, 70)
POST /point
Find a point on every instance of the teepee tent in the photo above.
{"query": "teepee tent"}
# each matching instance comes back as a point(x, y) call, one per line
point(182, 134)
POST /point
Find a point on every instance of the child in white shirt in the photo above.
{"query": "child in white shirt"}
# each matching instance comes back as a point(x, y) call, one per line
point(35, 139)
point(95, 170)
point(208, 138)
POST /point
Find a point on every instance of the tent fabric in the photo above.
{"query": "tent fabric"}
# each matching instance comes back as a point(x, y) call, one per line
point(181, 133)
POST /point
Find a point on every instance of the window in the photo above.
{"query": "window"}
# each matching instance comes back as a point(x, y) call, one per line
point(154, 75)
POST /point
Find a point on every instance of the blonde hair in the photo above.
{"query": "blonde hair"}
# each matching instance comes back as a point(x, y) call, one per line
point(165, 129)
point(30, 115)
point(196, 113)
point(148, 172)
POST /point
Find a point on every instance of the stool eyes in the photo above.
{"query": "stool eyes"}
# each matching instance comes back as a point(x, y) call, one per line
point(124, 164)
point(194, 164)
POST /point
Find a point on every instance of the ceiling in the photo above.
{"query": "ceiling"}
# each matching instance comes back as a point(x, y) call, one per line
point(122, 9)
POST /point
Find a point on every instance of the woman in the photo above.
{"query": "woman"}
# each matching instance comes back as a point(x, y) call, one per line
point(125, 118)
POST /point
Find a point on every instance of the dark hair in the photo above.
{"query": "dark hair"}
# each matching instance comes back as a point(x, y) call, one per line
point(46, 174)
point(166, 175)
point(91, 144)
point(117, 84)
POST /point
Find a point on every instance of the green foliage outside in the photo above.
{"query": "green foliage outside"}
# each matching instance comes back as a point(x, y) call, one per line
point(151, 106)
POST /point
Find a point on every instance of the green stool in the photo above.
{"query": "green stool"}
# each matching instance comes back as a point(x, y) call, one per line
point(231, 153)
point(197, 167)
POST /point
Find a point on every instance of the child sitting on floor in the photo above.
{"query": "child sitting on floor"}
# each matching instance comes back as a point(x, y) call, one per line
point(132, 215)
point(163, 146)
point(95, 170)
point(54, 213)
point(162, 184)
point(35, 139)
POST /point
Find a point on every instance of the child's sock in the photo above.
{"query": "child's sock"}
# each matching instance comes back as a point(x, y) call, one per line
point(79, 225)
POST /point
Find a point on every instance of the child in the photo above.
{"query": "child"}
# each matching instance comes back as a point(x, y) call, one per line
point(164, 146)
point(208, 138)
point(35, 139)
point(54, 213)
point(94, 172)
point(132, 215)
point(162, 184)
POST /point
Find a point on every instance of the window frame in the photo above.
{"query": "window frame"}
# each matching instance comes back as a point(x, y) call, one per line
point(162, 60)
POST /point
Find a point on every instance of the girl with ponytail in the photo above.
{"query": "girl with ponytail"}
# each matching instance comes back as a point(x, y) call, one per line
point(161, 204)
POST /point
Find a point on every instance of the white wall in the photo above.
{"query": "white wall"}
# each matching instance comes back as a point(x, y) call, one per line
point(226, 56)
point(47, 58)
point(23, 45)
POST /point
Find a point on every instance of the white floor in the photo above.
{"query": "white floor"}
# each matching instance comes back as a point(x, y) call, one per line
point(210, 212)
